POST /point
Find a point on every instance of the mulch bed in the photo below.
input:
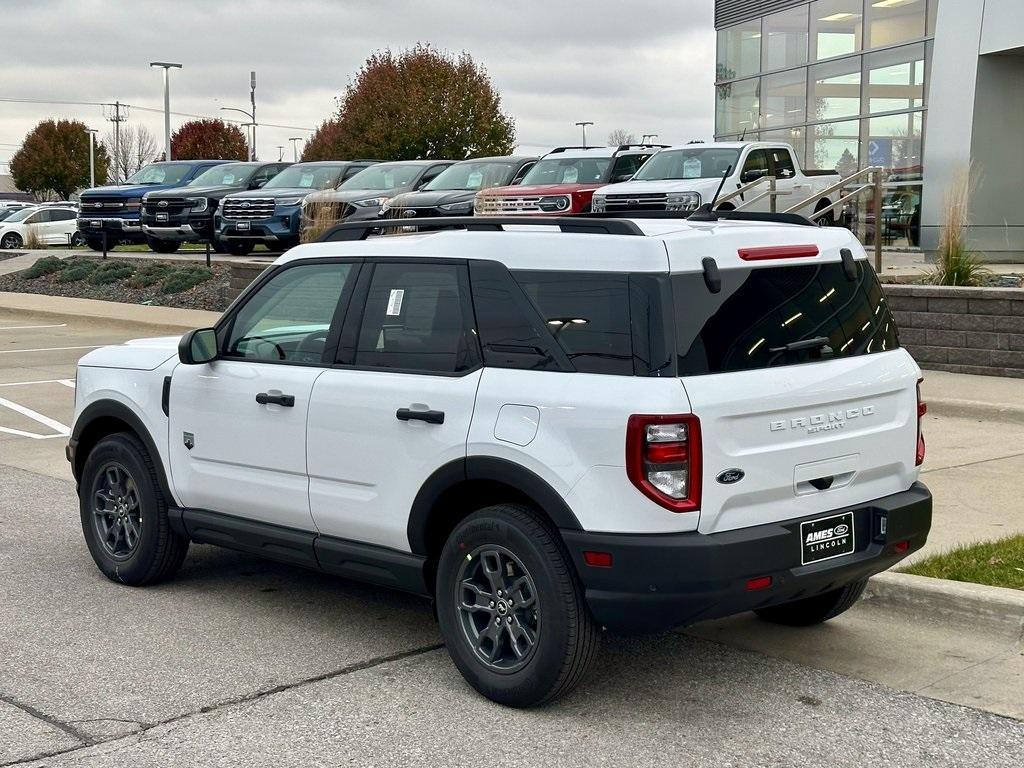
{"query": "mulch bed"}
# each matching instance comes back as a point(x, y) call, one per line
point(209, 295)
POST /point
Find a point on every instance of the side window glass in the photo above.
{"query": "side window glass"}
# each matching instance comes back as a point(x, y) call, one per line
point(628, 165)
point(351, 171)
point(38, 218)
point(755, 166)
point(783, 163)
point(289, 317)
point(522, 172)
point(62, 215)
point(588, 315)
point(431, 174)
point(416, 318)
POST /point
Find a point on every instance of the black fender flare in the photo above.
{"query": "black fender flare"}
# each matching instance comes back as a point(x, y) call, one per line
point(112, 409)
point(491, 468)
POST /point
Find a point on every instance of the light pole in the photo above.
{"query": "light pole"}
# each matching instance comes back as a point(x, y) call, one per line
point(92, 156)
point(295, 147)
point(250, 130)
point(167, 66)
point(583, 124)
point(252, 96)
point(647, 136)
point(280, 152)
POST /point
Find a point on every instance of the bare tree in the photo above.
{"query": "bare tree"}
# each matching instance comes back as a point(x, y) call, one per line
point(620, 136)
point(137, 148)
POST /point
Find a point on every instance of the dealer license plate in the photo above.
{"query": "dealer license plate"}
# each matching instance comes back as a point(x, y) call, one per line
point(242, 226)
point(826, 538)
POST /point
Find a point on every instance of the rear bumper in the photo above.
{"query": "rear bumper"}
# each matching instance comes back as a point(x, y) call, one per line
point(657, 582)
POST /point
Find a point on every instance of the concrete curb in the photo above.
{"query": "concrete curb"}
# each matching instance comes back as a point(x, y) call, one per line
point(945, 600)
point(976, 409)
point(92, 310)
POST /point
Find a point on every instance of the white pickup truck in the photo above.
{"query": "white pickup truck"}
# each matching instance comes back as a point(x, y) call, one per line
point(683, 178)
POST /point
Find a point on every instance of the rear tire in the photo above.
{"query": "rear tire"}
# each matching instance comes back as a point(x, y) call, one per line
point(124, 514)
point(529, 638)
point(77, 240)
point(829, 219)
point(814, 610)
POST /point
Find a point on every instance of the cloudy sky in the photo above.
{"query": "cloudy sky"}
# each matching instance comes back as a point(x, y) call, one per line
point(643, 65)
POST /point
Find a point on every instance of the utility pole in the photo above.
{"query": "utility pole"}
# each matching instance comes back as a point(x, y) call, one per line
point(167, 67)
point(295, 147)
point(118, 114)
point(92, 156)
point(252, 96)
point(583, 124)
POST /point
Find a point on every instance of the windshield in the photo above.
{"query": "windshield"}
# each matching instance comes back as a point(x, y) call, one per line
point(474, 176)
point(691, 163)
point(569, 170)
point(6, 213)
point(384, 176)
point(21, 215)
point(227, 175)
point(160, 173)
point(307, 177)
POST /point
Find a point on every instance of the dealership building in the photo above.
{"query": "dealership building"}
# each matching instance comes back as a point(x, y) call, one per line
point(922, 88)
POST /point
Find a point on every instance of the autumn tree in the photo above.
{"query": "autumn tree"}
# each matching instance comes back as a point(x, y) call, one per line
point(209, 140)
point(620, 136)
point(53, 160)
point(420, 103)
point(134, 148)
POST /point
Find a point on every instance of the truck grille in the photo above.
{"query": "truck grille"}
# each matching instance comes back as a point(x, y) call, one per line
point(410, 213)
point(169, 205)
point(94, 204)
point(645, 201)
point(500, 206)
point(249, 208)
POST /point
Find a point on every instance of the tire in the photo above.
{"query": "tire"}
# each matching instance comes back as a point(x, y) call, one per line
point(217, 245)
point(96, 243)
point(162, 246)
point(155, 552)
point(237, 247)
point(551, 610)
point(829, 219)
point(11, 241)
point(814, 610)
point(77, 240)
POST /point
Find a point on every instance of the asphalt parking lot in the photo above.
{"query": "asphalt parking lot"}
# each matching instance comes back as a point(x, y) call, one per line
point(240, 661)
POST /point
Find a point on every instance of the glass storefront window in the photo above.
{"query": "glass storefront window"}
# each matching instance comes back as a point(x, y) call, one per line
point(895, 79)
point(784, 98)
point(784, 39)
point(738, 107)
point(894, 143)
point(834, 146)
point(836, 27)
point(834, 90)
point(894, 21)
point(792, 136)
point(739, 50)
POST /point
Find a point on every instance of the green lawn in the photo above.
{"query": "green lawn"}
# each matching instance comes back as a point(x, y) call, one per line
point(997, 563)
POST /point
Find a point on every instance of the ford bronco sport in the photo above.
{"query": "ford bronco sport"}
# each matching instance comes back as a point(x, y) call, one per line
point(548, 427)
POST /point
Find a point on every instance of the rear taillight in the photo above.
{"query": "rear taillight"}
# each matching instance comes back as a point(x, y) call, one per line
point(663, 459)
point(922, 409)
point(765, 252)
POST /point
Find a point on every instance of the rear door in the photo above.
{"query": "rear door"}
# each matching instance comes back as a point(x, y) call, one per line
point(810, 429)
point(398, 404)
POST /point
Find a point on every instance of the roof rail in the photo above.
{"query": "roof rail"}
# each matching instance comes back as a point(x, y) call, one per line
point(642, 146)
point(566, 149)
point(772, 218)
point(706, 213)
point(361, 230)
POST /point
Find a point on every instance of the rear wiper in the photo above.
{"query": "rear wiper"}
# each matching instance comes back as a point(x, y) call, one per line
point(817, 342)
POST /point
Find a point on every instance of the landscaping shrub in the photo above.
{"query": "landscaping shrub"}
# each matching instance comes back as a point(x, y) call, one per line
point(149, 274)
point(956, 263)
point(45, 266)
point(110, 272)
point(32, 240)
point(77, 269)
point(183, 278)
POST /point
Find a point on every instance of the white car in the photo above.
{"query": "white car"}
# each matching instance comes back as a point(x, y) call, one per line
point(563, 426)
point(50, 225)
point(683, 178)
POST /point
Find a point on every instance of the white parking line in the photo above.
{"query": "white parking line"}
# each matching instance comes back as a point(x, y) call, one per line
point(47, 349)
point(30, 327)
point(60, 429)
point(65, 382)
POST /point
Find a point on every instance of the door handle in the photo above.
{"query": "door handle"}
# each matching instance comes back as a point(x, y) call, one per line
point(264, 398)
point(431, 417)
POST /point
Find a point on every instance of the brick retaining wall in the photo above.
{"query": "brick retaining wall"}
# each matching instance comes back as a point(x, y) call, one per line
point(963, 330)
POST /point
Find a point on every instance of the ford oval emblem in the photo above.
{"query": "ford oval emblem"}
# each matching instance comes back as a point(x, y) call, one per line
point(841, 530)
point(730, 476)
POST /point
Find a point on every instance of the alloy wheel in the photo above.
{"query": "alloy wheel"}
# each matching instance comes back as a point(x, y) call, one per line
point(117, 511)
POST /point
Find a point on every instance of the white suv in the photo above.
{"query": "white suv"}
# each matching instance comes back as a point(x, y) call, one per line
point(550, 428)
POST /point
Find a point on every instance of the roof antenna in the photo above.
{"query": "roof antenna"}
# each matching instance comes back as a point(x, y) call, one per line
point(707, 211)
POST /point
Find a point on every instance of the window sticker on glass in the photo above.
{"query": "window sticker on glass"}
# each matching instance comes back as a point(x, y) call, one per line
point(571, 175)
point(307, 180)
point(395, 302)
point(229, 178)
point(474, 180)
point(691, 168)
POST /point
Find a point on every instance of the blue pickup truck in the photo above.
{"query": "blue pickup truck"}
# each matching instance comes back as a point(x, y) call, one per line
point(117, 210)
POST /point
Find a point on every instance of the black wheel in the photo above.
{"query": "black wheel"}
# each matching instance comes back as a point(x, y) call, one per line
point(11, 240)
point(814, 610)
point(162, 246)
point(124, 514)
point(511, 608)
point(77, 240)
point(217, 245)
point(237, 247)
point(96, 243)
point(828, 219)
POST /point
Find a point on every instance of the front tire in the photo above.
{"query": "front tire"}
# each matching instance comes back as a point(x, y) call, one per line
point(511, 608)
point(124, 514)
point(814, 610)
point(162, 246)
point(11, 241)
point(237, 247)
point(96, 243)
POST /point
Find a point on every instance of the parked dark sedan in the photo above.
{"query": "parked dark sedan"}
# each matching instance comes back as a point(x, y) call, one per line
point(452, 192)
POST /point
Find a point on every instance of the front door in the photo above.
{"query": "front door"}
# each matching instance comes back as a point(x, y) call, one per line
point(399, 403)
point(755, 167)
point(238, 424)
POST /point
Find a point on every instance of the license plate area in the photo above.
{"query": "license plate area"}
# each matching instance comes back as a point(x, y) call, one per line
point(826, 538)
point(242, 226)
point(161, 217)
point(95, 224)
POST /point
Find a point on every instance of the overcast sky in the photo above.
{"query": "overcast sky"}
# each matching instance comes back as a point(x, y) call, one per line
point(647, 66)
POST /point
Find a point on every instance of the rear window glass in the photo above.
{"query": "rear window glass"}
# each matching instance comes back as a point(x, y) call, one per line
point(762, 314)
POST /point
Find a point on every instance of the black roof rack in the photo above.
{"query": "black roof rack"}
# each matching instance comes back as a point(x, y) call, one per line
point(776, 218)
point(642, 146)
point(566, 149)
point(361, 230)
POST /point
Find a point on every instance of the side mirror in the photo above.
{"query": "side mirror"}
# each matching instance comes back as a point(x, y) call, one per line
point(199, 346)
point(748, 176)
point(622, 177)
point(258, 184)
